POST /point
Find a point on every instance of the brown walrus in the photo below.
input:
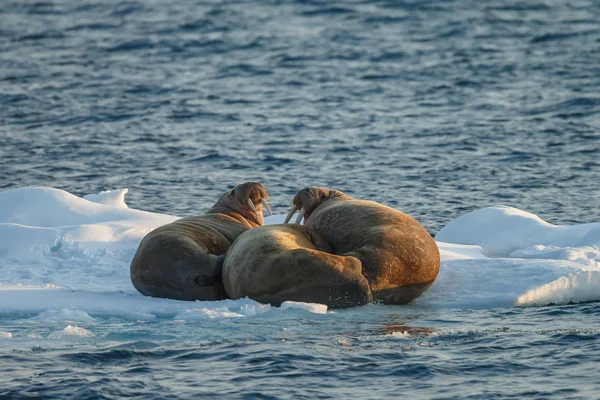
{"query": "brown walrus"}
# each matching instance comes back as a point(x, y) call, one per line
point(399, 258)
point(183, 260)
point(276, 263)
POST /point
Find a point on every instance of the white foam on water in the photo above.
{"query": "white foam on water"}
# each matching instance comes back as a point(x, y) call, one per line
point(310, 307)
point(5, 335)
point(71, 331)
point(63, 315)
point(67, 258)
point(398, 335)
point(203, 313)
point(251, 308)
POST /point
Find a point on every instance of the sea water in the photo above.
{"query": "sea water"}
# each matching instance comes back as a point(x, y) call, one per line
point(480, 119)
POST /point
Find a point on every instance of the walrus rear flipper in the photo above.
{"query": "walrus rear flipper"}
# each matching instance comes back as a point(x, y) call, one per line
point(197, 276)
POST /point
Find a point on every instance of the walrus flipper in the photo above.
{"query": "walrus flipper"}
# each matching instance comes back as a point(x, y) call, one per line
point(195, 276)
point(318, 277)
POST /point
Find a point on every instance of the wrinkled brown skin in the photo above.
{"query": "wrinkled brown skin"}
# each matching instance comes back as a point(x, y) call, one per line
point(399, 257)
point(278, 263)
point(183, 260)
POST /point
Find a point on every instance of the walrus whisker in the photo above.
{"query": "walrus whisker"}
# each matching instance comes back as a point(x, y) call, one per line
point(300, 216)
point(290, 214)
point(251, 204)
point(264, 203)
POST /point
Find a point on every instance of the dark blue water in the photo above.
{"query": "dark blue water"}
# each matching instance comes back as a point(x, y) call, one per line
point(434, 107)
point(370, 352)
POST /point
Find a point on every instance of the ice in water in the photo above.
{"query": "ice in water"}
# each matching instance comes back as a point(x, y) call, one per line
point(62, 252)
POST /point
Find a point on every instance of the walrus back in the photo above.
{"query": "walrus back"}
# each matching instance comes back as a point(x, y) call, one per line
point(212, 233)
point(399, 257)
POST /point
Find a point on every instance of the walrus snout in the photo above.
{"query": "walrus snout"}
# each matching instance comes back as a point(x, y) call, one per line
point(299, 203)
point(248, 198)
point(307, 200)
point(262, 202)
point(256, 208)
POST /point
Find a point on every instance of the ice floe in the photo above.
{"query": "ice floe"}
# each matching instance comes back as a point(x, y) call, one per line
point(67, 259)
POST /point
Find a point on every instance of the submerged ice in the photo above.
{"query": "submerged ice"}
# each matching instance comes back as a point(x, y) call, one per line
point(67, 258)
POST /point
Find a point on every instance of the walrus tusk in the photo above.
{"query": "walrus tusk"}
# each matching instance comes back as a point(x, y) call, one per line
point(289, 216)
point(264, 203)
point(300, 216)
point(251, 204)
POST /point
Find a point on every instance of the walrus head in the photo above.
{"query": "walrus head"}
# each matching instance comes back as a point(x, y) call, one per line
point(246, 199)
point(308, 199)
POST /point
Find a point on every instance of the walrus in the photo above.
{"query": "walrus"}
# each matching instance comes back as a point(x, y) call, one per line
point(183, 260)
point(399, 258)
point(277, 263)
